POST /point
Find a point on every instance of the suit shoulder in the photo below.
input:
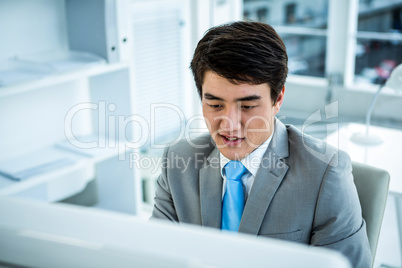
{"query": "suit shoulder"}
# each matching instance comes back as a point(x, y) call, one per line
point(312, 149)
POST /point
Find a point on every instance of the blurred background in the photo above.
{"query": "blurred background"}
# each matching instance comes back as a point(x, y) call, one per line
point(92, 91)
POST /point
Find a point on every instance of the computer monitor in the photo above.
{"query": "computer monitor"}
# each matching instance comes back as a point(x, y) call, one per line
point(38, 234)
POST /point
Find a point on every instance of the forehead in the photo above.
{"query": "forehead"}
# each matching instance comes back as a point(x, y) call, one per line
point(225, 89)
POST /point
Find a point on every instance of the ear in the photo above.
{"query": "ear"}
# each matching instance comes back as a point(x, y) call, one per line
point(279, 101)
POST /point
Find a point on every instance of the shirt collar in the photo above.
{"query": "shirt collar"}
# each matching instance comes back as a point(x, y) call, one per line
point(253, 160)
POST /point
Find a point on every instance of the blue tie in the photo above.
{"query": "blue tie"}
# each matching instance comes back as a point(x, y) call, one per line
point(233, 201)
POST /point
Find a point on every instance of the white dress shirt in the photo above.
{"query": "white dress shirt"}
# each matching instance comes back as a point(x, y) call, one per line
point(251, 162)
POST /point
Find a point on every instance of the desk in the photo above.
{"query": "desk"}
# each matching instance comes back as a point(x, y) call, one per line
point(385, 155)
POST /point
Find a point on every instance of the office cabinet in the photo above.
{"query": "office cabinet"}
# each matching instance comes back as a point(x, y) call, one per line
point(66, 101)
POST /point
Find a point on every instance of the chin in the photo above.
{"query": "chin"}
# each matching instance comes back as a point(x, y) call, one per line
point(234, 153)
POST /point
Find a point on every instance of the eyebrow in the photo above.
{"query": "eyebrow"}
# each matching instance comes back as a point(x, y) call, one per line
point(209, 96)
point(249, 98)
point(212, 97)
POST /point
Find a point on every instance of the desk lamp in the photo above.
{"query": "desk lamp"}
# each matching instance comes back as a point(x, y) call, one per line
point(394, 82)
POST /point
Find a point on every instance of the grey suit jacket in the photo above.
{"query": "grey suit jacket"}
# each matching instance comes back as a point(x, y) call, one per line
point(303, 191)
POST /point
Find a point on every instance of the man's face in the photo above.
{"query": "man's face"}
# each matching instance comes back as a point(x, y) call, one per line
point(239, 117)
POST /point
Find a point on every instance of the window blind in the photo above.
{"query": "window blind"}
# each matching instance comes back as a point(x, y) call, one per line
point(159, 70)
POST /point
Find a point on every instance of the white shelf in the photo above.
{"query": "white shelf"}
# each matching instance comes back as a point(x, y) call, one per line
point(59, 78)
point(75, 54)
point(57, 182)
point(105, 149)
point(40, 65)
point(52, 184)
point(63, 60)
point(14, 72)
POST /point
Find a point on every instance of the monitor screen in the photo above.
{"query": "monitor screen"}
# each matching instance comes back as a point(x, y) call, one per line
point(38, 234)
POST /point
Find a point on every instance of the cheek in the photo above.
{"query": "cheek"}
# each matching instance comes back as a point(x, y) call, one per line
point(209, 120)
point(260, 120)
point(205, 111)
point(257, 124)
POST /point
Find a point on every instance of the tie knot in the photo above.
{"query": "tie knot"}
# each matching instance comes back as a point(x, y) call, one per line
point(234, 170)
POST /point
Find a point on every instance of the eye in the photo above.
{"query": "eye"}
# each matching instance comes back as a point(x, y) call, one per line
point(215, 106)
point(247, 107)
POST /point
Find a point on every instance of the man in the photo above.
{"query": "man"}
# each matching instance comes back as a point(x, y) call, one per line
point(290, 186)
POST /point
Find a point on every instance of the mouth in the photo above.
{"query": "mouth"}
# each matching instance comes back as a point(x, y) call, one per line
point(231, 141)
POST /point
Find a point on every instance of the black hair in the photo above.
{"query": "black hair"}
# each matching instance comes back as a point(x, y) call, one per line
point(242, 52)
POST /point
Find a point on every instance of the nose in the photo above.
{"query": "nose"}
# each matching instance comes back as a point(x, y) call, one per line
point(231, 119)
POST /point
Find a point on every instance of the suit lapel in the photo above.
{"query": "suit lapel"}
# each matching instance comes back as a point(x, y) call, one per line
point(211, 191)
point(268, 179)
